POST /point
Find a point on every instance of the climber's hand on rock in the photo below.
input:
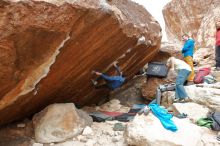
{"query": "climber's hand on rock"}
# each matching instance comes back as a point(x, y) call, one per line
point(115, 64)
point(98, 73)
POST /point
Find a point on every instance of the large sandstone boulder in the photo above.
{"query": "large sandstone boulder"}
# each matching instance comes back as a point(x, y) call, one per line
point(207, 29)
point(49, 48)
point(184, 16)
point(206, 33)
point(198, 19)
point(167, 50)
point(204, 57)
point(59, 122)
point(148, 131)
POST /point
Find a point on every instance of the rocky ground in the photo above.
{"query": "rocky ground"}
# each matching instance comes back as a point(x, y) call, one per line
point(141, 131)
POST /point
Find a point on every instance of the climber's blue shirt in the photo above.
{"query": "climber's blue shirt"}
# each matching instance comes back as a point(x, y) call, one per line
point(114, 81)
point(188, 48)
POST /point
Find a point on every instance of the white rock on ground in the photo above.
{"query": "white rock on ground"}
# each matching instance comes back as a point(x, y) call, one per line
point(59, 122)
point(148, 131)
point(193, 110)
point(209, 97)
point(37, 144)
point(87, 131)
point(82, 138)
point(21, 125)
point(209, 138)
point(104, 135)
point(70, 143)
point(113, 105)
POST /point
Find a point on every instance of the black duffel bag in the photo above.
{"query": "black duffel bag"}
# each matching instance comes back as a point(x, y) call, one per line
point(157, 69)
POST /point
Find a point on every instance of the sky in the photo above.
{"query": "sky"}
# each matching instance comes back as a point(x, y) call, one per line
point(155, 8)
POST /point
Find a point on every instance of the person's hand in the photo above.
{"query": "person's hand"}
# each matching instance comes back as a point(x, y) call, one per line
point(115, 64)
point(98, 73)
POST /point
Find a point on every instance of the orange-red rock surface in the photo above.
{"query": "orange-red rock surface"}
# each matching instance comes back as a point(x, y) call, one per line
point(48, 49)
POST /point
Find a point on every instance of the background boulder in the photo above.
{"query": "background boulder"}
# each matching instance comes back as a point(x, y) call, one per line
point(59, 122)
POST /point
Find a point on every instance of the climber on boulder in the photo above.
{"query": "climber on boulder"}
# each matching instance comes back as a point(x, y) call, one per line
point(112, 82)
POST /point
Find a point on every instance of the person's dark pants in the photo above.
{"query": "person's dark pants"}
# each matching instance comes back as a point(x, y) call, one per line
point(217, 56)
point(101, 86)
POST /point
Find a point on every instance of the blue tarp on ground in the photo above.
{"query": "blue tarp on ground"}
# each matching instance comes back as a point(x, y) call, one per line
point(163, 116)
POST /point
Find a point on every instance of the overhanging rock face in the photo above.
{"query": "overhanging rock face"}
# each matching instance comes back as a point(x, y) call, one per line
point(49, 48)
